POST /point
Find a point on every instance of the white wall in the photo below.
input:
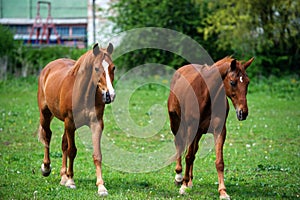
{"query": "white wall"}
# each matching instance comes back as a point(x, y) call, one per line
point(103, 28)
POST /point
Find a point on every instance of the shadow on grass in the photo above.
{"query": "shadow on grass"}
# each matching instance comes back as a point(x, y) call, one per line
point(148, 186)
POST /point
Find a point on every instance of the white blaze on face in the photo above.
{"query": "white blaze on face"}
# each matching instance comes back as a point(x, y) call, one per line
point(241, 79)
point(108, 82)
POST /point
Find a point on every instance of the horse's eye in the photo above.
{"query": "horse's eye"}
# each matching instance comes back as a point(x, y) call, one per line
point(233, 83)
point(97, 69)
point(113, 68)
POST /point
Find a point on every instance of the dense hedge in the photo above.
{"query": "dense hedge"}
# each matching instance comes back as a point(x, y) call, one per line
point(28, 60)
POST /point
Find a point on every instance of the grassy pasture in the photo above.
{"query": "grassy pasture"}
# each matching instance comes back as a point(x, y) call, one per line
point(262, 154)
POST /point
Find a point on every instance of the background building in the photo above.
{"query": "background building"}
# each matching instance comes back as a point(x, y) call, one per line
point(68, 22)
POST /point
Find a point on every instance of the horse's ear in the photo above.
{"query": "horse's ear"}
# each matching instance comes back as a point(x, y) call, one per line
point(110, 48)
point(233, 65)
point(96, 49)
point(248, 63)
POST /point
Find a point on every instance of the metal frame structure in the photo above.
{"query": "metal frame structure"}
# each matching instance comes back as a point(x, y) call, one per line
point(46, 28)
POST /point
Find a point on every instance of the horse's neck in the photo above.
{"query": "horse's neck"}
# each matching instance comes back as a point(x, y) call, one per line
point(212, 77)
point(214, 83)
point(219, 105)
point(84, 89)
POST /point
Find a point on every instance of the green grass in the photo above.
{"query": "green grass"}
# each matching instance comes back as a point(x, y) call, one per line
point(262, 154)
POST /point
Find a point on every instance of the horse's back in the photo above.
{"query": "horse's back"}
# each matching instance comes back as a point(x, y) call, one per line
point(187, 83)
point(56, 69)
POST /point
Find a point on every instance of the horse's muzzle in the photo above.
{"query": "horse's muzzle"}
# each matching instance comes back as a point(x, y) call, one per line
point(108, 98)
point(241, 115)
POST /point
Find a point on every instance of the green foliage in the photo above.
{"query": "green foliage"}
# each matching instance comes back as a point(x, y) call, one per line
point(29, 60)
point(283, 88)
point(6, 41)
point(178, 15)
point(268, 30)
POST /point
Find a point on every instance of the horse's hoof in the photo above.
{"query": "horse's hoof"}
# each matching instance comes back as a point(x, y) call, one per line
point(102, 191)
point(45, 171)
point(224, 197)
point(177, 183)
point(70, 184)
point(63, 180)
point(178, 179)
point(182, 190)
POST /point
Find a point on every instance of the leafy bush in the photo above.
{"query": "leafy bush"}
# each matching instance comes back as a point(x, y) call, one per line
point(6, 47)
point(232, 27)
point(286, 87)
point(181, 16)
point(29, 60)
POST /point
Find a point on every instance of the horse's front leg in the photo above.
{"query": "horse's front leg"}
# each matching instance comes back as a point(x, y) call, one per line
point(96, 128)
point(219, 142)
point(69, 145)
point(63, 171)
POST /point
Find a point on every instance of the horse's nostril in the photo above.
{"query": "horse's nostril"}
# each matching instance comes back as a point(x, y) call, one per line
point(240, 113)
point(107, 98)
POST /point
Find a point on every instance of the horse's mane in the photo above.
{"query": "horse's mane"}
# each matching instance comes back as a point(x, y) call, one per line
point(225, 60)
point(78, 63)
point(84, 60)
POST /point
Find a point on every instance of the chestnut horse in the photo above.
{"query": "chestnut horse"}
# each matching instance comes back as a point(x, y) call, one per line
point(76, 92)
point(197, 105)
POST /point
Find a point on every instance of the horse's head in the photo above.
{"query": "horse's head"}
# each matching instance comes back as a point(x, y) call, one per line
point(103, 72)
point(236, 85)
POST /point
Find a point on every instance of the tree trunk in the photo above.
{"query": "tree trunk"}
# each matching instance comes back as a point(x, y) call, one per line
point(3, 67)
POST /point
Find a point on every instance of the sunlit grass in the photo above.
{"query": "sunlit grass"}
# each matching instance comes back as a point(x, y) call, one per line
point(261, 154)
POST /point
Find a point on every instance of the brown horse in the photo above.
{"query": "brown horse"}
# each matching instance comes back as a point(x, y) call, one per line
point(76, 93)
point(197, 104)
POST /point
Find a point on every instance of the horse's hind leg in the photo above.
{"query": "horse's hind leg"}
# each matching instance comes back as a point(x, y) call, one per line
point(178, 140)
point(178, 168)
point(189, 159)
point(45, 134)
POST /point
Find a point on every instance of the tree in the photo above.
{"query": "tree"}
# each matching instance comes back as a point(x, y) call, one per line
point(267, 29)
point(178, 15)
point(6, 47)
